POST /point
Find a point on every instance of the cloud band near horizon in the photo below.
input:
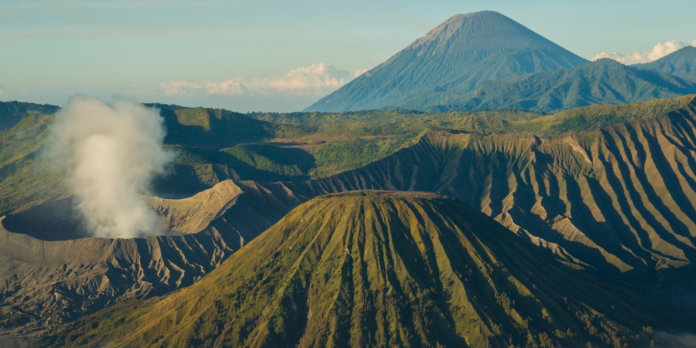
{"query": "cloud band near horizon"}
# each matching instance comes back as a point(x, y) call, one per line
point(658, 51)
point(315, 80)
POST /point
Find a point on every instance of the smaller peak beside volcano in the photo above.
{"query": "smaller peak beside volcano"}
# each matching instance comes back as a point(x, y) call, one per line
point(681, 64)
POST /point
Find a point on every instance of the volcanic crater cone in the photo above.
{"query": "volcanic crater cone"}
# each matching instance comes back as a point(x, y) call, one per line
point(375, 268)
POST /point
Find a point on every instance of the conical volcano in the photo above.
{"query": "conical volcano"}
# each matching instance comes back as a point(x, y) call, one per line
point(484, 33)
point(468, 47)
point(376, 269)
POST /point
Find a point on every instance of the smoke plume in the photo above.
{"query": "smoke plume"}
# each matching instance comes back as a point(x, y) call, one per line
point(112, 152)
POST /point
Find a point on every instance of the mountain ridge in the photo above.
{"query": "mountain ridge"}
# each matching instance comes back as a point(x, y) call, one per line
point(604, 81)
point(681, 63)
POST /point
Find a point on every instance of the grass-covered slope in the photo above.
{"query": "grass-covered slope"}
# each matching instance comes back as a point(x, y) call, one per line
point(12, 112)
point(387, 116)
point(601, 82)
point(25, 176)
point(681, 63)
point(381, 269)
point(218, 128)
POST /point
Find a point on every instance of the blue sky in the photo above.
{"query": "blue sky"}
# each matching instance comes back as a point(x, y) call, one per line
point(174, 51)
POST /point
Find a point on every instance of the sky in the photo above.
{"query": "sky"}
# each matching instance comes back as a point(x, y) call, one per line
point(271, 55)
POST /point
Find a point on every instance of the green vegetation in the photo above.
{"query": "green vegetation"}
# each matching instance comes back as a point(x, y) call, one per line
point(381, 269)
point(217, 128)
point(336, 158)
point(12, 112)
point(388, 116)
point(214, 145)
point(24, 175)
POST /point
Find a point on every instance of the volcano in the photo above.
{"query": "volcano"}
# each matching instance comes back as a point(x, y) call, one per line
point(470, 47)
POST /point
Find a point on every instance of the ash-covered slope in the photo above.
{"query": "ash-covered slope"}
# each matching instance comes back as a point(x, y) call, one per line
point(381, 269)
point(681, 64)
point(52, 274)
point(469, 47)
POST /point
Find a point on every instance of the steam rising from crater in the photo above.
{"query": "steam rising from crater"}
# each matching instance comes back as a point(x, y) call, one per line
point(112, 152)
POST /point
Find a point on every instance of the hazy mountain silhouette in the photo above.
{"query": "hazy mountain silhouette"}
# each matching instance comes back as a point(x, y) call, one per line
point(472, 47)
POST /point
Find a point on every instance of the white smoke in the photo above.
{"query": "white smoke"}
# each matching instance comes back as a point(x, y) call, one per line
point(658, 51)
point(112, 152)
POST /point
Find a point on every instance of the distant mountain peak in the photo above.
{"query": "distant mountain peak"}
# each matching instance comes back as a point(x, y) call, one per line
point(681, 63)
point(484, 31)
point(449, 52)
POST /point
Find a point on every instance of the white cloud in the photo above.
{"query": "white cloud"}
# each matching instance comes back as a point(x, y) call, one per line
point(360, 72)
point(7, 94)
point(315, 80)
point(693, 43)
point(660, 50)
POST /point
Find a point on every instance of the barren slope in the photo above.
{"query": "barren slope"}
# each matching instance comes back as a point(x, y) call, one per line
point(51, 273)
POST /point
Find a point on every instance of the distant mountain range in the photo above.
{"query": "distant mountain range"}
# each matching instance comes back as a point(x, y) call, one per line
point(484, 60)
point(602, 82)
